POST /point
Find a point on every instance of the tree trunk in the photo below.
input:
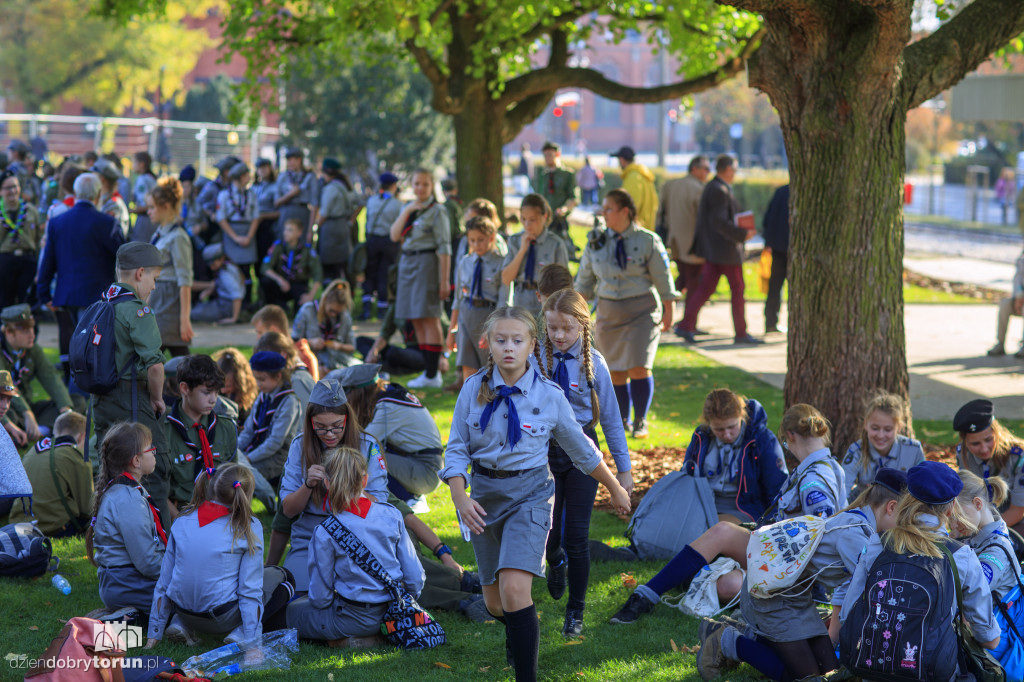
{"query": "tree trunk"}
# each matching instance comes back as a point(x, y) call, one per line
point(842, 112)
point(478, 150)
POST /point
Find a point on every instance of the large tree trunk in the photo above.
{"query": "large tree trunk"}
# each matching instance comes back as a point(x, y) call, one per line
point(478, 150)
point(842, 113)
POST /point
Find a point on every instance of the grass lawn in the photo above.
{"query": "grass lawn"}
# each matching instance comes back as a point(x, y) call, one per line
point(34, 610)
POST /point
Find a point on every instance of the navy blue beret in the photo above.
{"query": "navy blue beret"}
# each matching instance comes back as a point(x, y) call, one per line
point(933, 483)
point(892, 479)
point(387, 179)
point(187, 174)
point(267, 361)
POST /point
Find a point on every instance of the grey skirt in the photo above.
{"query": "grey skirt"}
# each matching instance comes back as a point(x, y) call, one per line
point(240, 255)
point(297, 560)
point(143, 230)
point(782, 619)
point(627, 331)
point(165, 302)
point(471, 327)
point(517, 522)
point(334, 243)
point(418, 284)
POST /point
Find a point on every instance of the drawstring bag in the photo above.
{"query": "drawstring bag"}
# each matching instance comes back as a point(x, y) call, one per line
point(778, 553)
point(701, 600)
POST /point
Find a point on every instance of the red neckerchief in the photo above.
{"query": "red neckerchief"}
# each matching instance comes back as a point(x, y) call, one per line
point(360, 507)
point(69, 201)
point(407, 228)
point(152, 508)
point(204, 446)
point(209, 512)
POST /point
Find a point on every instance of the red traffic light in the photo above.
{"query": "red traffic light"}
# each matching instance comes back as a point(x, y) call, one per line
point(557, 112)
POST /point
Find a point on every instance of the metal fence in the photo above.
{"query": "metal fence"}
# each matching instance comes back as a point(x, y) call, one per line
point(172, 144)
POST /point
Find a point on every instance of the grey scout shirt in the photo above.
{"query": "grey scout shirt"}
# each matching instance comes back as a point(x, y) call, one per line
point(647, 268)
point(125, 532)
point(905, 453)
point(271, 454)
point(208, 195)
point(490, 277)
point(382, 531)
point(430, 231)
point(307, 184)
point(549, 249)
point(816, 488)
point(294, 476)
point(381, 213)
point(236, 205)
point(1012, 472)
point(544, 413)
point(976, 594)
point(608, 406)
point(174, 244)
point(1000, 568)
point(338, 202)
point(205, 567)
point(265, 192)
point(404, 427)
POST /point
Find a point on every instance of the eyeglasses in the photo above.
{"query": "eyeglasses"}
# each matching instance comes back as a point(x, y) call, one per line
point(330, 431)
point(149, 450)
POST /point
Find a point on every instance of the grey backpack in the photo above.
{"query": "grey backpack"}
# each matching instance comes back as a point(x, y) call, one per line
point(674, 512)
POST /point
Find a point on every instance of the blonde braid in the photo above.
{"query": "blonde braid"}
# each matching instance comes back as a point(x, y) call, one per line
point(486, 393)
point(551, 357)
point(588, 371)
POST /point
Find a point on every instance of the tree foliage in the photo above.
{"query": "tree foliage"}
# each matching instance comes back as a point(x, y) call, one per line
point(210, 101)
point(54, 49)
point(372, 115)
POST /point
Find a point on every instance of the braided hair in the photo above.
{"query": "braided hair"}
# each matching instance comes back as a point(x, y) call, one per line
point(572, 304)
point(486, 393)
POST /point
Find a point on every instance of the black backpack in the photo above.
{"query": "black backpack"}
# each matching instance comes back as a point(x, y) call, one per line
point(24, 551)
point(93, 347)
point(900, 628)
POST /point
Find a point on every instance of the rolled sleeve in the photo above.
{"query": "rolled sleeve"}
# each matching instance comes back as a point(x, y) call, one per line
point(442, 233)
point(145, 335)
point(222, 205)
point(294, 475)
point(250, 586)
point(611, 418)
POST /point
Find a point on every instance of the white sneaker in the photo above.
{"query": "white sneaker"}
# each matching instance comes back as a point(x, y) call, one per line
point(418, 504)
point(423, 382)
point(177, 632)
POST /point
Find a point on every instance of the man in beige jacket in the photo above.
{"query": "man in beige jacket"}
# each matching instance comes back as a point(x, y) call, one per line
point(677, 216)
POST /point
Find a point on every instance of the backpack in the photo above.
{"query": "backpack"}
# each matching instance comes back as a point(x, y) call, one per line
point(900, 627)
point(778, 554)
point(24, 551)
point(93, 347)
point(674, 512)
point(82, 652)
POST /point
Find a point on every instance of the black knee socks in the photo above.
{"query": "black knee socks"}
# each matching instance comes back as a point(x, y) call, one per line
point(524, 637)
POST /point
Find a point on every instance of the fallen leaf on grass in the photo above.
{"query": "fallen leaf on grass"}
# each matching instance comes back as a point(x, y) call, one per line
point(490, 622)
point(439, 664)
point(571, 642)
point(628, 580)
point(33, 627)
point(675, 647)
point(483, 669)
point(684, 649)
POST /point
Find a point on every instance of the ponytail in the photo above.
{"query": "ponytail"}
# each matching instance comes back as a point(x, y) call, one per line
point(992, 490)
point(231, 485)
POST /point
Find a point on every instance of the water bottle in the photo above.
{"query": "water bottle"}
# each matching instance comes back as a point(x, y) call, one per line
point(61, 583)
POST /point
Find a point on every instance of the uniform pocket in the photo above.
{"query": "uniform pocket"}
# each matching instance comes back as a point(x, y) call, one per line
point(540, 524)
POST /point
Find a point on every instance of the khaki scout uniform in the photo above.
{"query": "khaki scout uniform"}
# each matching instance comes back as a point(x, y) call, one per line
point(28, 364)
point(61, 484)
point(185, 448)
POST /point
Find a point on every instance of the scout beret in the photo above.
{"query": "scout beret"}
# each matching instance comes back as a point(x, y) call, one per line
point(263, 161)
point(107, 169)
point(212, 252)
point(891, 479)
point(975, 416)
point(135, 255)
point(187, 174)
point(7, 384)
point(356, 376)
point(238, 170)
point(267, 361)
point(386, 179)
point(328, 393)
point(289, 152)
point(624, 152)
point(226, 163)
point(18, 146)
point(16, 313)
point(933, 483)
point(551, 145)
point(330, 164)
point(171, 366)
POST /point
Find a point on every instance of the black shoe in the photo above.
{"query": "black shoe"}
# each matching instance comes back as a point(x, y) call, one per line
point(688, 337)
point(470, 582)
point(700, 332)
point(635, 606)
point(602, 552)
point(573, 626)
point(557, 579)
point(747, 340)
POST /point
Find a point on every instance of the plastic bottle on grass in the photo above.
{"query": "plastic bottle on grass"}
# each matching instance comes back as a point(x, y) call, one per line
point(61, 583)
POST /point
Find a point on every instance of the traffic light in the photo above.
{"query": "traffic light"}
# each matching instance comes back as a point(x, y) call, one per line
point(557, 112)
point(673, 115)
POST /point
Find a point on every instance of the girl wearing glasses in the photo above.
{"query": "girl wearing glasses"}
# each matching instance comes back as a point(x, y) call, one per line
point(330, 423)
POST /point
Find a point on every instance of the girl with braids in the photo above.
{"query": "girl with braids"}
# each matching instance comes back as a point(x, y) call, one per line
point(979, 502)
point(814, 488)
point(923, 518)
point(580, 371)
point(329, 422)
point(212, 579)
point(327, 326)
point(344, 601)
point(882, 443)
point(988, 449)
point(504, 417)
point(528, 252)
point(126, 540)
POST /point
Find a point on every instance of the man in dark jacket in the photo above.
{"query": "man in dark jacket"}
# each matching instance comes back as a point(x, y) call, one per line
point(81, 248)
point(776, 238)
point(720, 243)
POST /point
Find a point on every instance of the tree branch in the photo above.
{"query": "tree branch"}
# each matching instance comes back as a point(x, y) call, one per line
point(553, 77)
point(442, 100)
point(542, 28)
point(439, 11)
point(959, 46)
point(523, 113)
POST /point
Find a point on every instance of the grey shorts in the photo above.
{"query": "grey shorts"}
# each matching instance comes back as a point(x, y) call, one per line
point(340, 619)
point(471, 327)
point(517, 522)
point(123, 586)
point(231, 618)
